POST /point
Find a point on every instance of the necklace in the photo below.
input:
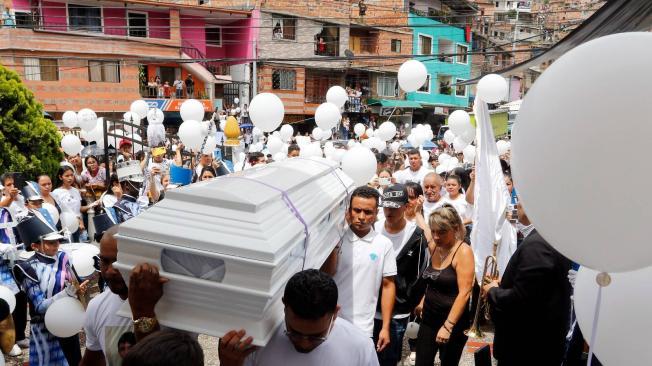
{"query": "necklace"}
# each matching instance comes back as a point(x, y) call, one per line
point(442, 256)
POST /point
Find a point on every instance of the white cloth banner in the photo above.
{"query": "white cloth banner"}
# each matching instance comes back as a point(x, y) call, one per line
point(490, 195)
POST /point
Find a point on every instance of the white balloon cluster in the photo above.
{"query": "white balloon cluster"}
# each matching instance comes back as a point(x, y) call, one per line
point(446, 163)
point(191, 132)
point(461, 132)
point(287, 131)
point(420, 134)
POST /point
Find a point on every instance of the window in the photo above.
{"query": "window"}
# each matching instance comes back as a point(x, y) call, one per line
point(137, 24)
point(460, 90)
point(426, 86)
point(213, 35)
point(284, 79)
point(24, 19)
point(396, 45)
point(284, 27)
point(41, 69)
point(104, 71)
point(84, 18)
point(462, 57)
point(444, 84)
point(497, 3)
point(387, 87)
point(425, 45)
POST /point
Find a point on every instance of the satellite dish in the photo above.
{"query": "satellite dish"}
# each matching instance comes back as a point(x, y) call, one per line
point(349, 54)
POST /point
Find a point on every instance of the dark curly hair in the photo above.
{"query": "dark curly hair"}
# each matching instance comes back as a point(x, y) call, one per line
point(311, 294)
point(365, 192)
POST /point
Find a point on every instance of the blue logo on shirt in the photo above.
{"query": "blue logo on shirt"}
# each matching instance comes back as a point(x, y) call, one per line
point(373, 256)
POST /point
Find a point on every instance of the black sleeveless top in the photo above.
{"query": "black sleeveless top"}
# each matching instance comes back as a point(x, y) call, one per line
point(441, 292)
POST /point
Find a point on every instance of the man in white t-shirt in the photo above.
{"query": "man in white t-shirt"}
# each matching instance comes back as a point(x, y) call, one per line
point(362, 264)
point(103, 327)
point(411, 248)
point(415, 172)
point(432, 185)
point(312, 335)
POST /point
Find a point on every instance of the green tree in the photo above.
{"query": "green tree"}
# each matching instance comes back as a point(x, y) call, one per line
point(29, 142)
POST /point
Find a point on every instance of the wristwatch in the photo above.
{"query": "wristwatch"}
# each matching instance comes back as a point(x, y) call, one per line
point(145, 325)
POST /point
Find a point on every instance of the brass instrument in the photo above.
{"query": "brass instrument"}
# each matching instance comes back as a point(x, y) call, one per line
point(489, 273)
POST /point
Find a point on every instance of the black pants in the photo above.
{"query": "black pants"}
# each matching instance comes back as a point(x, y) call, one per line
point(20, 316)
point(449, 353)
point(70, 348)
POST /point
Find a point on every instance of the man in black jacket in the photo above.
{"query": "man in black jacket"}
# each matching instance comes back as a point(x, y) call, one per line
point(410, 246)
point(530, 306)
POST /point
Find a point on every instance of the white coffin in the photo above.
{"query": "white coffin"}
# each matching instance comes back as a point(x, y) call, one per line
point(250, 231)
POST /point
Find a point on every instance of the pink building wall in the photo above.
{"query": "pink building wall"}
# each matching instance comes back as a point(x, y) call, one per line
point(21, 5)
point(115, 21)
point(193, 32)
point(54, 16)
point(159, 25)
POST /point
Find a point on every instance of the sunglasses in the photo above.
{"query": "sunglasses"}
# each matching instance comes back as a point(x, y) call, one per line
point(298, 337)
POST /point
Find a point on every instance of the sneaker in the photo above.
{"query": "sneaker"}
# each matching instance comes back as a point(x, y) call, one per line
point(412, 360)
point(15, 351)
point(23, 343)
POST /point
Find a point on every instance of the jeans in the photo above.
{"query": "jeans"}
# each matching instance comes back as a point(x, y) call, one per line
point(449, 353)
point(391, 355)
point(179, 93)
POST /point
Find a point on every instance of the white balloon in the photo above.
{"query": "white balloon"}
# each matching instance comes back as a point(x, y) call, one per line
point(71, 144)
point(441, 168)
point(623, 326)
point(222, 125)
point(571, 105)
point(8, 296)
point(236, 100)
point(459, 122)
point(274, 145)
point(70, 221)
point(429, 135)
point(316, 133)
point(256, 132)
point(359, 163)
point(337, 95)
point(425, 156)
point(419, 136)
point(327, 116)
point(69, 119)
point(83, 262)
point(192, 110)
point(376, 143)
point(190, 134)
point(65, 317)
point(412, 75)
point(443, 157)
point(266, 111)
point(338, 155)
point(205, 127)
point(459, 144)
point(412, 140)
point(140, 108)
point(469, 135)
point(326, 134)
point(237, 110)
point(359, 129)
point(395, 146)
point(87, 119)
point(155, 116)
point(492, 88)
point(351, 143)
point(449, 136)
point(387, 131)
point(131, 117)
point(209, 145)
point(502, 146)
point(469, 154)
point(369, 132)
point(287, 131)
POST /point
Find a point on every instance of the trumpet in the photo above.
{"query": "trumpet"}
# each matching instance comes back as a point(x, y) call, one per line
point(489, 272)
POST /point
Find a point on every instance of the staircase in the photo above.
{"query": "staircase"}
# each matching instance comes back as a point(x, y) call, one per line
point(215, 68)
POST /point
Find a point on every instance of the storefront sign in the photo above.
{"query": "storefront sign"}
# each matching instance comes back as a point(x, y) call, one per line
point(174, 105)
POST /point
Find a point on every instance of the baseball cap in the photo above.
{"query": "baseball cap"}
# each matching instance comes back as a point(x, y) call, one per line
point(158, 151)
point(124, 142)
point(395, 196)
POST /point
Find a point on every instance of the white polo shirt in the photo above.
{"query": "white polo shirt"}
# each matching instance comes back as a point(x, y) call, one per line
point(362, 264)
point(430, 207)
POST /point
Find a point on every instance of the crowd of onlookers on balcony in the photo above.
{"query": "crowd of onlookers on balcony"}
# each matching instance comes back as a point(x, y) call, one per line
point(156, 88)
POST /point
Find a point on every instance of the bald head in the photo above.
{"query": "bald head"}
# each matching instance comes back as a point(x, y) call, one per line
point(108, 256)
point(432, 187)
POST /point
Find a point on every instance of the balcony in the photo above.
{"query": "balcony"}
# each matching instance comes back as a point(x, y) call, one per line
point(327, 42)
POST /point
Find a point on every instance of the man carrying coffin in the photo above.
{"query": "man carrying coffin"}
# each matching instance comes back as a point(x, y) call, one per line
point(362, 264)
point(312, 334)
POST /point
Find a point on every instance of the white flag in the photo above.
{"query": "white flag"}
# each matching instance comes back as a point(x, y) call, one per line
point(490, 194)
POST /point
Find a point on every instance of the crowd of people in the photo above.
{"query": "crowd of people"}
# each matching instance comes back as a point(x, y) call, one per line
point(405, 261)
point(178, 88)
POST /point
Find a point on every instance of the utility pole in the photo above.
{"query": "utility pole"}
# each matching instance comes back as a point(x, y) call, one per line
point(254, 72)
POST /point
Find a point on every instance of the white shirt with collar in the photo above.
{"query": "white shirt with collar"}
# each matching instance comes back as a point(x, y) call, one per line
point(361, 267)
point(408, 175)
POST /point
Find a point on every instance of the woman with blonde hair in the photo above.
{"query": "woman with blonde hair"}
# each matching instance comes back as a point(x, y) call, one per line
point(445, 288)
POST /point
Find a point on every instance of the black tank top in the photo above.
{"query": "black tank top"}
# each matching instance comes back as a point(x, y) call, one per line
point(441, 292)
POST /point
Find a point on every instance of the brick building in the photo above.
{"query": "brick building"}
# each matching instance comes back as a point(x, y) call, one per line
point(105, 55)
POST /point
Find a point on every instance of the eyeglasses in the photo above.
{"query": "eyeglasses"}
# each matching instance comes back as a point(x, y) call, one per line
point(298, 337)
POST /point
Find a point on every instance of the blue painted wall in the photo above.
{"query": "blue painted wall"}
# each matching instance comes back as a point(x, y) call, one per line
point(456, 70)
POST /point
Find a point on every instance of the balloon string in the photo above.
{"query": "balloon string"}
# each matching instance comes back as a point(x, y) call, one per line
point(594, 330)
point(293, 209)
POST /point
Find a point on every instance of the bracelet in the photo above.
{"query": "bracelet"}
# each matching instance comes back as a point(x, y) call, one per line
point(448, 330)
point(450, 322)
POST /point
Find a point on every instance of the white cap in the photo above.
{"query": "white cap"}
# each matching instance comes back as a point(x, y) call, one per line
point(130, 171)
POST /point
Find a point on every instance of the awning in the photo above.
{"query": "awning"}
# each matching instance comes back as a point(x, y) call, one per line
point(391, 103)
point(616, 16)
